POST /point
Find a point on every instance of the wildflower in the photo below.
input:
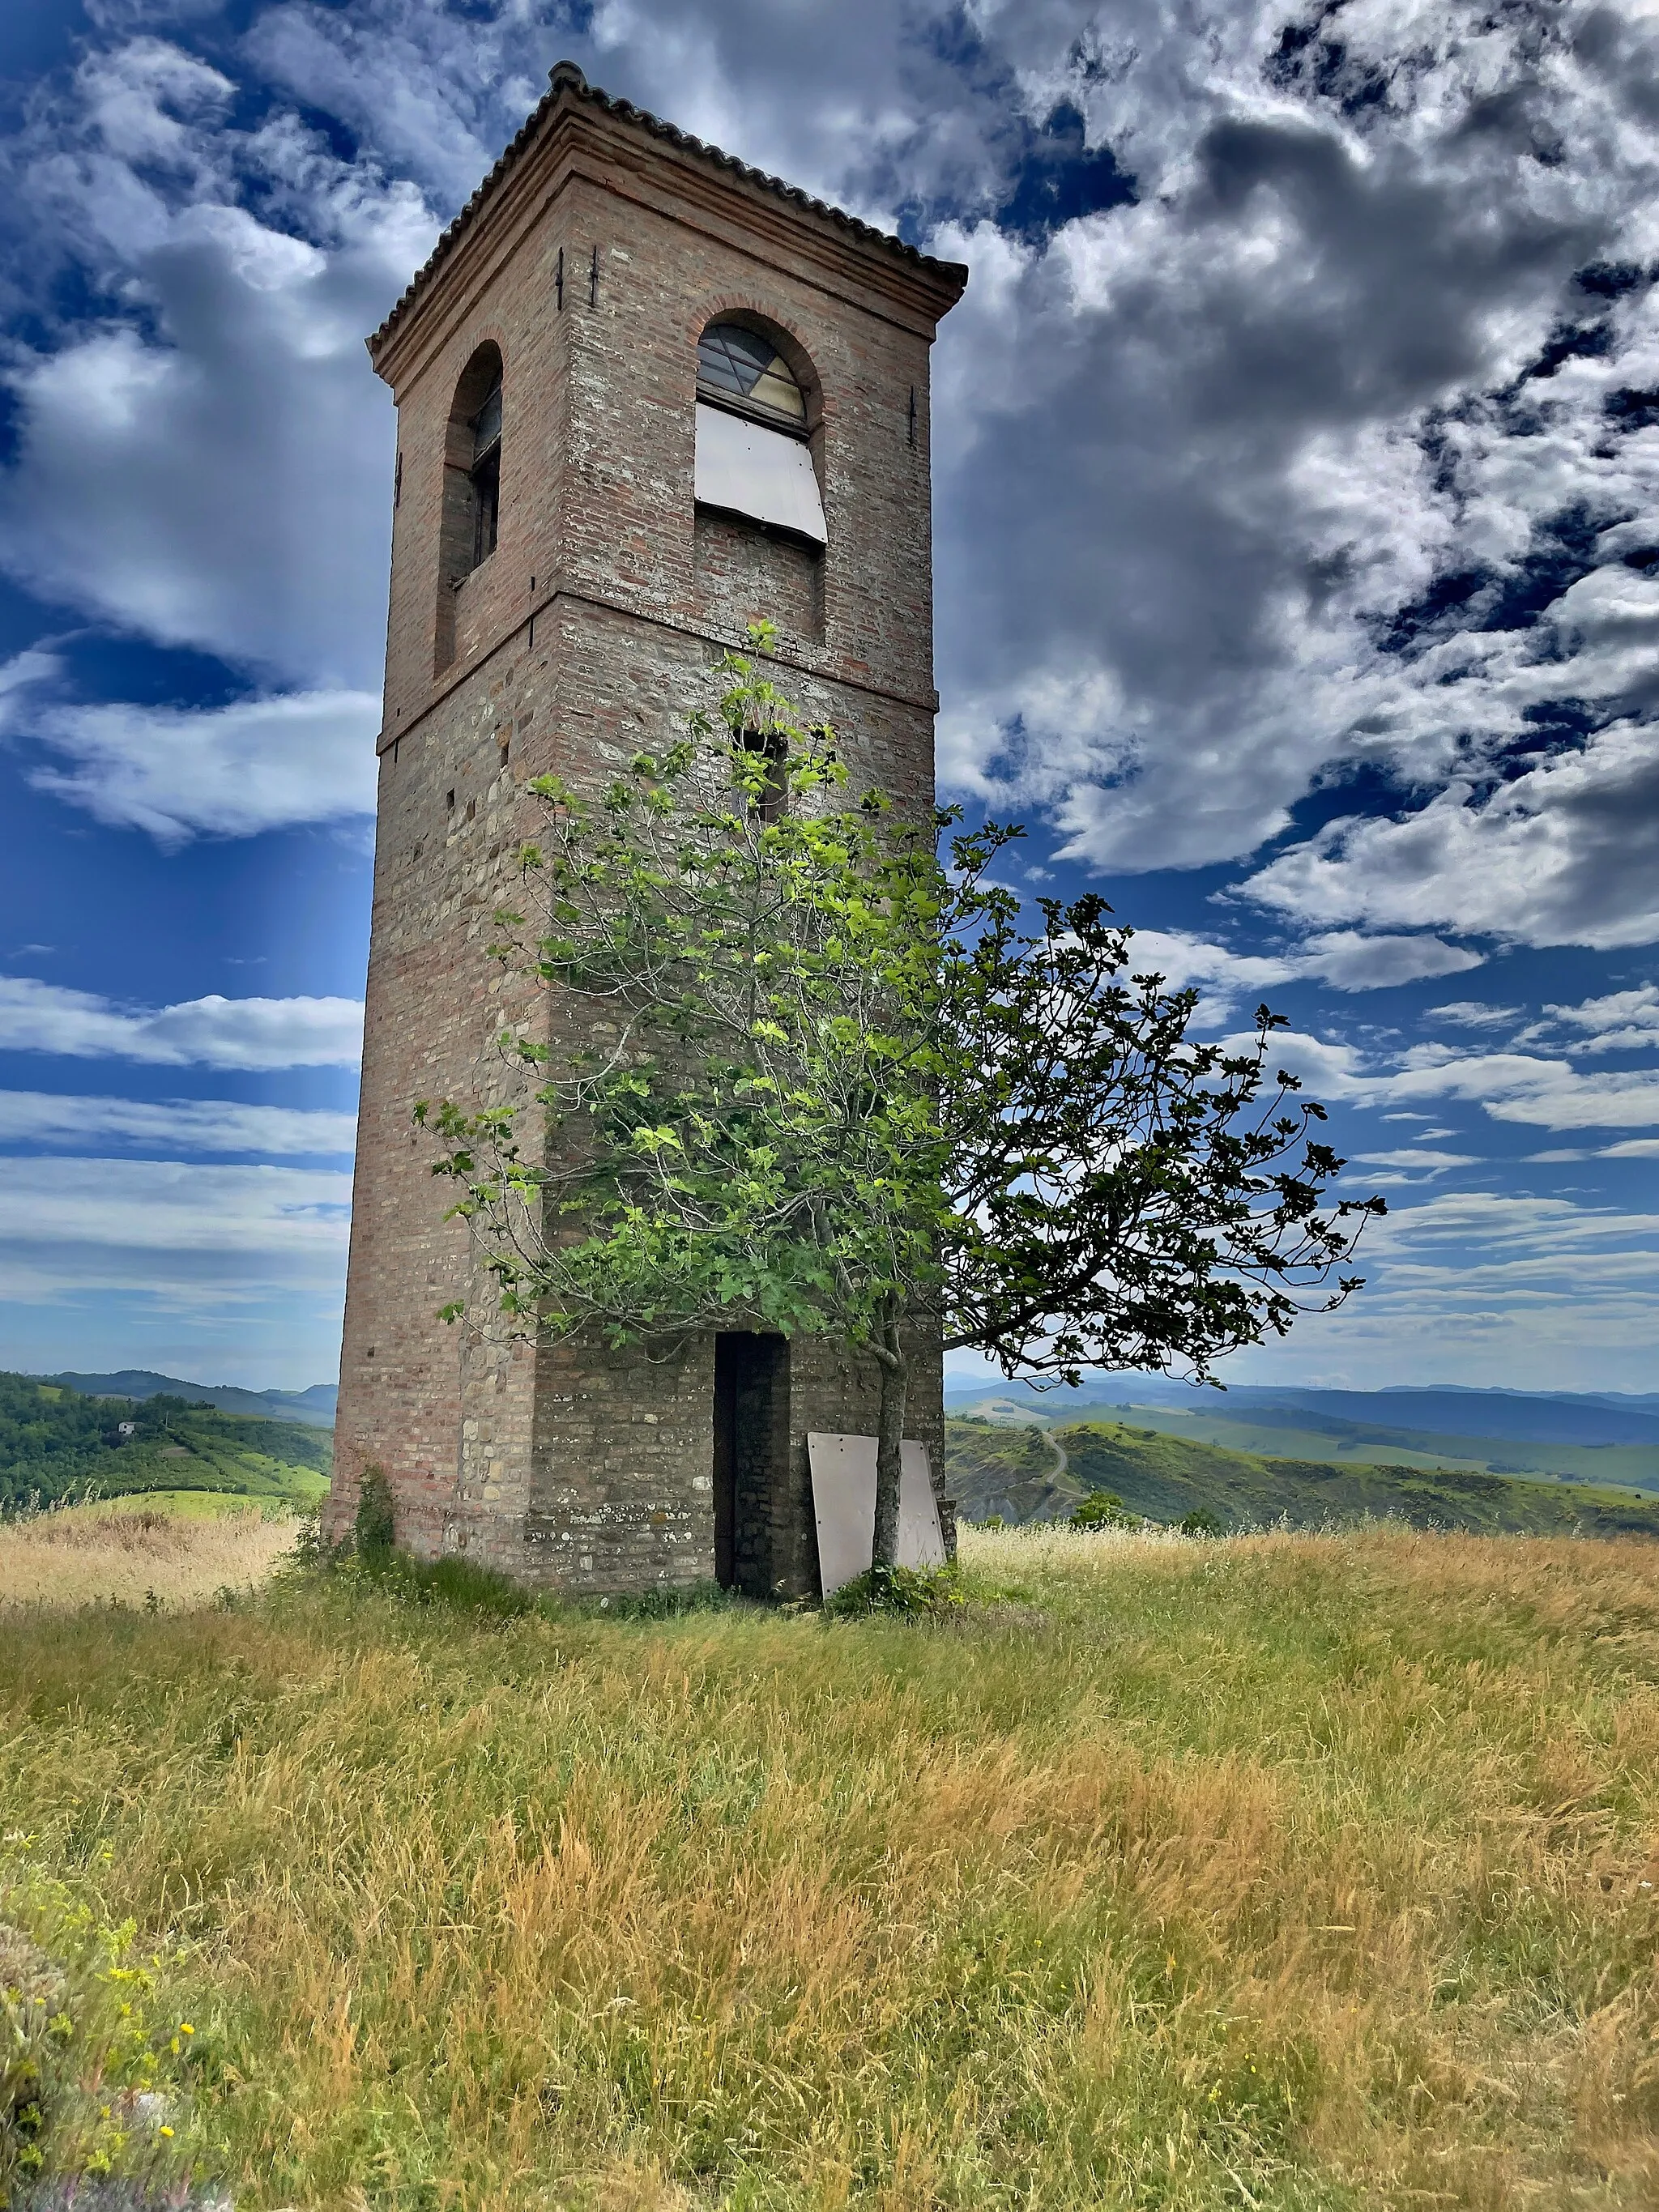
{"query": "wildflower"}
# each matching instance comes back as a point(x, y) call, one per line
point(184, 2028)
point(164, 2129)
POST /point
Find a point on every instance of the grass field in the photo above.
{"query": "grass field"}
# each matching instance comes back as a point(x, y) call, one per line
point(165, 1549)
point(1289, 1871)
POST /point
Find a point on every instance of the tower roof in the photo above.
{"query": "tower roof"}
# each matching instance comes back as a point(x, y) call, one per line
point(566, 80)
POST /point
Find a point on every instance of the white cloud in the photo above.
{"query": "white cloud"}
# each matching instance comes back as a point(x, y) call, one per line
point(232, 771)
point(1350, 962)
point(1342, 958)
point(211, 1032)
point(209, 464)
point(1621, 1021)
point(1485, 1290)
point(1418, 1157)
point(73, 1226)
point(1475, 1287)
point(1567, 853)
point(1631, 1148)
point(171, 1125)
point(1258, 481)
point(1509, 1086)
point(20, 675)
point(1476, 1014)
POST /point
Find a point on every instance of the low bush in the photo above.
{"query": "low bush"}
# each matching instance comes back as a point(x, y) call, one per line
point(1201, 1523)
point(1104, 1509)
point(454, 1581)
point(374, 1526)
point(91, 2104)
point(912, 1593)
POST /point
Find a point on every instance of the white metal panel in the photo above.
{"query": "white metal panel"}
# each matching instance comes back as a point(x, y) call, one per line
point(750, 469)
point(844, 1506)
point(920, 1539)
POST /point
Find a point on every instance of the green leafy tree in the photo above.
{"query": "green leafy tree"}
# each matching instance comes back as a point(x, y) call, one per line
point(1104, 1509)
point(780, 1058)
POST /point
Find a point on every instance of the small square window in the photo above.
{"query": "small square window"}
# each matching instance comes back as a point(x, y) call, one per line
point(773, 802)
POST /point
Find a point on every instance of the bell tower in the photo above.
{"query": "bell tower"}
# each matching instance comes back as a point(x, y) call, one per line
point(645, 395)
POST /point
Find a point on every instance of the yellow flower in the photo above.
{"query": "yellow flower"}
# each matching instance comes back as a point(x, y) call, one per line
point(184, 2028)
point(164, 2131)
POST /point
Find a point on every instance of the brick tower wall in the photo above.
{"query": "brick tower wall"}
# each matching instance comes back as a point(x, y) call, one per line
point(585, 636)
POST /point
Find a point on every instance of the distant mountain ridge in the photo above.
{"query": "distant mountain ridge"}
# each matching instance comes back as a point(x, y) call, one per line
point(1506, 1416)
point(314, 1407)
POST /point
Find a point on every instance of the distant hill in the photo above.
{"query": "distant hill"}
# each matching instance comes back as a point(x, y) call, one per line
point(1512, 1415)
point(1502, 1431)
point(1025, 1474)
point(1516, 1416)
point(315, 1406)
point(56, 1442)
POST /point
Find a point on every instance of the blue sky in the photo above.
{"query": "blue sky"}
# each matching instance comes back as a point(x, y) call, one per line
point(1296, 454)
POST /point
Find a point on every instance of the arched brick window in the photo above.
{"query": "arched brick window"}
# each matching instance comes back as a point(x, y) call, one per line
point(472, 466)
point(739, 369)
point(753, 454)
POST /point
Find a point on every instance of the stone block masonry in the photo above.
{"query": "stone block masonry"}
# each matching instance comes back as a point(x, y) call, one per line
point(582, 274)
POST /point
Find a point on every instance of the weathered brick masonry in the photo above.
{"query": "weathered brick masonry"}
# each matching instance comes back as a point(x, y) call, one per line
point(591, 259)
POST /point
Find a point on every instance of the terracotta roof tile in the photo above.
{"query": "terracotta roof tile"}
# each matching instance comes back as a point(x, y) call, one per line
point(566, 77)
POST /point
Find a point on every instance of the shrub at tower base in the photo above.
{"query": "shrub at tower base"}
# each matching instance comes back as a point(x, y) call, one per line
point(782, 1060)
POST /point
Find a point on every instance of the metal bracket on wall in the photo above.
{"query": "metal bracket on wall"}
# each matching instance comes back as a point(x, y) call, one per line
point(594, 279)
point(558, 281)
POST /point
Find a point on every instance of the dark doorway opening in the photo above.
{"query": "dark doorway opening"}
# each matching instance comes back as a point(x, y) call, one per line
point(751, 1452)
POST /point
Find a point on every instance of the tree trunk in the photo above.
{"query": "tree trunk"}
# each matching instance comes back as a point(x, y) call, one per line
point(890, 1437)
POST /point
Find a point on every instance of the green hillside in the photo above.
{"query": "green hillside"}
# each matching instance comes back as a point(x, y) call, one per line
point(1032, 1475)
point(1329, 1437)
point(1014, 1475)
point(1326, 1437)
point(54, 1443)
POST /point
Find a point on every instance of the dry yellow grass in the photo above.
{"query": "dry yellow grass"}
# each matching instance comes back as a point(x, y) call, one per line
point(136, 1553)
point(1302, 1873)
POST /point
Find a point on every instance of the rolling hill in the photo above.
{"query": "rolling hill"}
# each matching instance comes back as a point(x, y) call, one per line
point(55, 1442)
point(1583, 1439)
point(314, 1405)
point(1023, 1475)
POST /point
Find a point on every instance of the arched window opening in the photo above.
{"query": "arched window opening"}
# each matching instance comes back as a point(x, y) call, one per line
point(486, 473)
point(472, 466)
point(472, 489)
point(739, 369)
point(753, 458)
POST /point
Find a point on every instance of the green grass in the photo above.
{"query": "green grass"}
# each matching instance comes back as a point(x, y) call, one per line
point(185, 1504)
point(1015, 1473)
point(1291, 1872)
